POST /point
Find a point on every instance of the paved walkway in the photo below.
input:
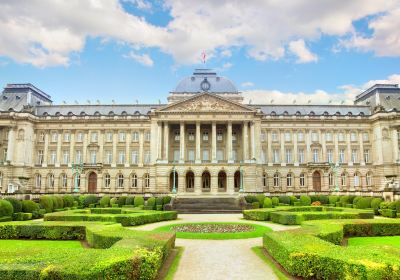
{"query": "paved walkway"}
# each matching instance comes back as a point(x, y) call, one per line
point(219, 259)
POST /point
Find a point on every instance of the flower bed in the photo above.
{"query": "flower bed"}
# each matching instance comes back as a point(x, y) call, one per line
point(310, 251)
point(213, 228)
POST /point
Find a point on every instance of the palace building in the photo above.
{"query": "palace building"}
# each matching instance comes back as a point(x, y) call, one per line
point(206, 140)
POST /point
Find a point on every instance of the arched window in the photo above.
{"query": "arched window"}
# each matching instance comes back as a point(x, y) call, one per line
point(38, 181)
point(63, 181)
point(276, 180)
point(77, 178)
point(120, 182)
point(330, 179)
point(302, 180)
point(343, 179)
point(146, 179)
point(357, 179)
point(134, 181)
point(107, 181)
point(50, 181)
point(265, 179)
point(368, 179)
point(289, 179)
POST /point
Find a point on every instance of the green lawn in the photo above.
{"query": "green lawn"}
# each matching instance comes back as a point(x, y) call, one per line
point(377, 240)
point(257, 231)
point(259, 252)
point(27, 244)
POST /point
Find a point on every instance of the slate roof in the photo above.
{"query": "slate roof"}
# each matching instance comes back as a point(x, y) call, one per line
point(317, 110)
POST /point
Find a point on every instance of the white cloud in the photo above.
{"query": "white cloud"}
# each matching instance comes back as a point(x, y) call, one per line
point(141, 4)
point(143, 59)
point(48, 32)
point(227, 65)
point(303, 54)
point(345, 95)
point(247, 84)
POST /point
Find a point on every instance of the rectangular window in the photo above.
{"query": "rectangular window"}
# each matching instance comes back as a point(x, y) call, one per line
point(109, 157)
point(234, 155)
point(93, 157)
point(191, 155)
point(54, 137)
point(205, 136)
point(340, 137)
point(109, 137)
point(67, 137)
point(135, 157)
point(301, 155)
point(40, 157)
point(121, 157)
point(300, 136)
point(328, 137)
point(330, 155)
point(220, 155)
point(274, 136)
point(41, 137)
point(302, 180)
point(354, 155)
point(78, 156)
point(366, 156)
point(177, 135)
point(135, 136)
point(191, 136)
point(206, 155)
point(147, 136)
point(121, 136)
point(353, 137)
point(176, 155)
point(263, 137)
point(65, 157)
point(79, 137)
point(365, 136)
point(288, 136)
point(288, 156)
point(53, 157)
point(341, 156)
point(219, 136)
point(276, 156)
point(314, 136)
point(94, 137)
point(234, 138)
point(315, 155)
point(147, 157)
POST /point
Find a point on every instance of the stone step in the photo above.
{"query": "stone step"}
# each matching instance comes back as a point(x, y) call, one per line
point(207, 205)
point(208, 211)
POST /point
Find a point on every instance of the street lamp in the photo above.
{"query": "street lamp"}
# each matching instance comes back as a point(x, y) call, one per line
point(335, 168)
point(174, 179)
point(77, 170)
point(241, 178)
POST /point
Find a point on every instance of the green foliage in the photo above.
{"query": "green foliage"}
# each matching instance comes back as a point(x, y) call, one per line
point(293, 199)
point(59, 202)
point(159, 207)
point(68, 200)
point(47, 203)
point(151, 203)
point(17, 205)
point(324, 199)
point(250, 198)
point(113, 200)
point(267, 203)
point(29, 206)
point(105, 201)
point(121, 201)
point(284, 199)
point(89, 199)
point(314, 198)
point(305, 200)
point(389, 213)
point(363, 203)
point(6, 208)
point(159, 201)
point(26, 216)
point(129, 200)
point(333, 199)
point(375, 203)
point(255, 205)
point(167, 200)
point(275, 201)
point(139, 200)
point(260, 199)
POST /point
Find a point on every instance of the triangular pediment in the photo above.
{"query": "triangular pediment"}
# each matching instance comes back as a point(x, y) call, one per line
point(206, 102)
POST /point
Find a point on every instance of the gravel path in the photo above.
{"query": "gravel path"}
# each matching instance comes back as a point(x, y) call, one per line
point(219, 259)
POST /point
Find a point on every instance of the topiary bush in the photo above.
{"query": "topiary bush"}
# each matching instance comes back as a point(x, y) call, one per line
point(59, 202)
point(363, 203)
point(160, 201)
point(29, 206)
point(375, 203)
point(267, 203)
point(305, 200)
point(293, 199)
point(47, 203)
point(260, 199)
point(255, 205)
point(17, 205)
point(324, 199)
point(6, 208)
point(333, 199)
point(129, 200)
point(68, 200)
point(113, 200)
point(121, 201)
point(139, 200)
point(250, 198)
point(167, 199)
point(314, 198)
point(105, 201)
point(275, 201)
point(284, 199)
point(151, 203)
point(89, 199)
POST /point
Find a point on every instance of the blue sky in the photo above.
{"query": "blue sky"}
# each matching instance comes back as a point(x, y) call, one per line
point(137, 49)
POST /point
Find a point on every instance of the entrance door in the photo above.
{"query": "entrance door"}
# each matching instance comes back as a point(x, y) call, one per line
point(222, 181)
point(92, 186)
point(317, 181)
point(237, 178)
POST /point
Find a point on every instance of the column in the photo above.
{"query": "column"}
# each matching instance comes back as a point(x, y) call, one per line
point(361, 153)
point(282, 141)
point(101, 149)
point(84, 148)
point(46, 149)
point(335, 139)
point(141, 150)
point(245, 141)
point(197, 183)
point(114, 149)
point(10, 145)
point(159, 140)
point(182, 143)
point(72, 149)
point(198, 139)
point(395, 141)
point(214, 143)
point(308, 144)
point(166, 138)
point(127, 148)
point(323, 142)
point(59, 139)
point(269, 139)
point(349, 161)
point(229, 143)
point(295, 150)
point(252, 143)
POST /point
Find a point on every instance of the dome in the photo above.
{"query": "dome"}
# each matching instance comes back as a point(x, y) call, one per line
point(205, 80)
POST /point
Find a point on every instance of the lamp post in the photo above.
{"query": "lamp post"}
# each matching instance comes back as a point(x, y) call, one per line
point(77, 170)
point(335, 168)
point(174, 179)
point(241, 177)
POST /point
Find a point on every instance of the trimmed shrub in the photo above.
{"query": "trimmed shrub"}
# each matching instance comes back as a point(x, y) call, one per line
point(314, 198)
point(250, 198)
point(89, 199)
point(389, 213)
point(260, 199)
point(159, 207)
point(275, 201)
point(363, 203)
point(81, 200)
point(18, 216)
point(29, 206)
point(115, 205)
point(284, 199)
point(255, 205)
point(293, 199)
point(333, 199)
point(17, 205)
point(129, 200)
point(375, 202)
point(139, 200)
point(105, 201)
point(324, 199)
point(305, 200)
point(167, 200)
point(68, 200)
point(47, 203)
point(151, 203)
point(113, 200)
point(159, 201)
point(267, 203)
point(344, 200)
point(59, 202)
point(121, 201)
point(26, 216)
point(6, 208)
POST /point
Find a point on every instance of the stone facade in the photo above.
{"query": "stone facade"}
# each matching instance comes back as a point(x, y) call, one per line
point(213, 142)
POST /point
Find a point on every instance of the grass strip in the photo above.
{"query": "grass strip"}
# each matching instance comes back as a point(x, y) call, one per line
point(175, 264)
point(259, 251)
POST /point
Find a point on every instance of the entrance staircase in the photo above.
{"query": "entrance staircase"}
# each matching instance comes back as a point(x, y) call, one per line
point(206, 205)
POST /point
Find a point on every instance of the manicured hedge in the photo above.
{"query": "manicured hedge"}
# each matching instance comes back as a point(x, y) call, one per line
point(29, 206)
point(6, 208)
point(68, 200)
point(17, 205)
point(305, 200)
point(47, 203)
point(139, 201)
point(105, 201)
point(310, 251)
point(267, 203)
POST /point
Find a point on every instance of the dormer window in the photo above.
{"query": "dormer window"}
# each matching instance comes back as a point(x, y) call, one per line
point(298, 113)
point(111, 113)
point(18, 97)
point(124, 113)
point(137, 113)
point(70, 114)
point(273, 113)
point(285, 113)
point(326, 113)
point(312, 113)
point(97, 113)
point(83, 114)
